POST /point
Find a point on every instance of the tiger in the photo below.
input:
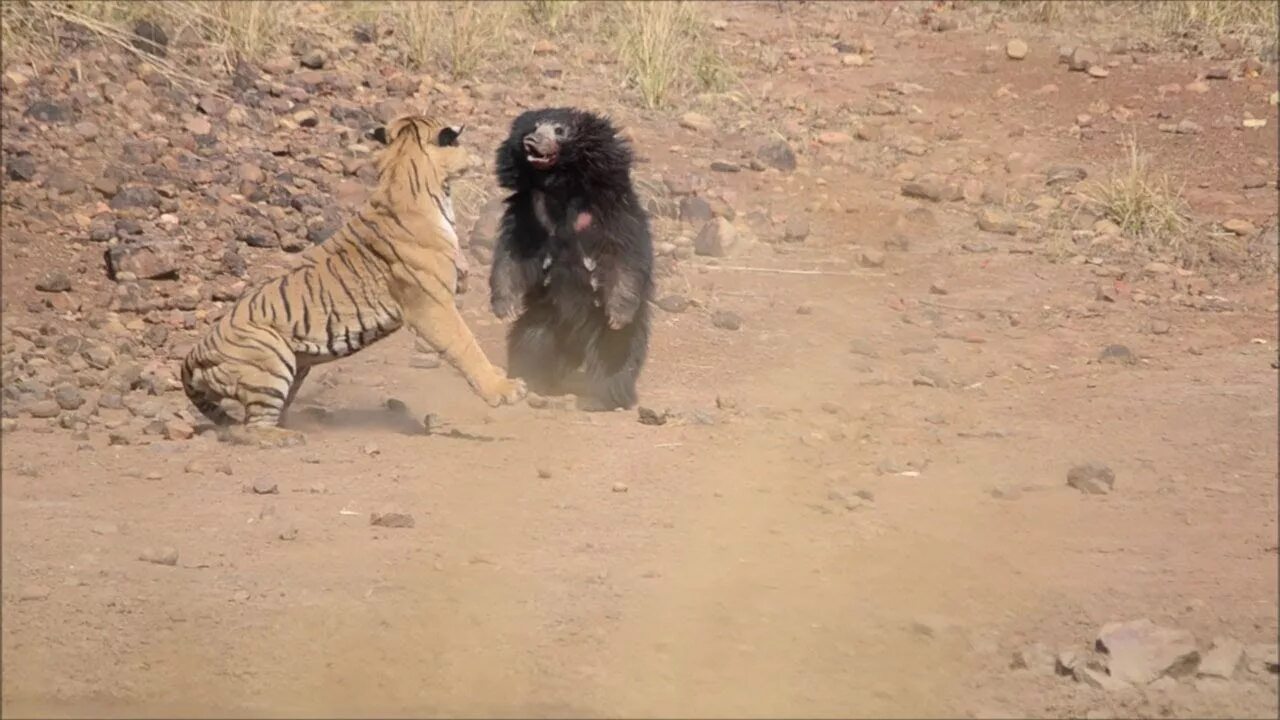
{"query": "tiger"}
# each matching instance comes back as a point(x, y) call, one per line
point(396, 262)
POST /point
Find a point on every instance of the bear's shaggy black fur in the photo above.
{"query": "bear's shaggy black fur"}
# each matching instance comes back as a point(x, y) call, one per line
point(573, 263)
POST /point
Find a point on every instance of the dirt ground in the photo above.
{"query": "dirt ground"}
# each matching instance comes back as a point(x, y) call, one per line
point(858, 504)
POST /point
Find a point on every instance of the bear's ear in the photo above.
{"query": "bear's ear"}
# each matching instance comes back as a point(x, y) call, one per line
point(448, 137)
point(379, 134)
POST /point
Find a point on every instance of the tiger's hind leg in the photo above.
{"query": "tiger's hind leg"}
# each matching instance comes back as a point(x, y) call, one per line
point(266, 381)
point(298, 377)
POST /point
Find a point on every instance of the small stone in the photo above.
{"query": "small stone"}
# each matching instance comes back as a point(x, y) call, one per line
point(938, 287)
point(1016, 49)
point(1218, 73)
point(544, 473)
point(674, 304)
point(1117, 354)
point(1139, 651)
point(288, 534)
point(694, 210)
point(1188, 127)
point(1036, 657)
point(177, 429)
point(313, 59)
point(1222, 660)
point(54, 281)
point(1082, 59)
point(1239, 226)
point(697, 122)
point(871, 258)
point(44, 409)
point(995, 220)
point(796, 229)
point(199, 125)
point(307, 118)
point(832, 137)
point(649, 416)
point(726, 320)
point(1097, 677)
point(544, 47)
point(1092, 478)
point(1160, 327)
point(724, 166)
point(716, 239)
point(619, 487)
point(159, 555)
point(391, 519)
point(777, 155)
point(68, 397)
point(264, 487)
point(1097, 71)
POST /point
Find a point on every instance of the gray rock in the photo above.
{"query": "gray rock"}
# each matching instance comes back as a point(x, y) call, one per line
point(674, 304)
point(47, 112)
point(1082, 59)
point(314, 59)
point(54, 281)
point(44, 409)
point(1092, 478)
point(777, 155)
point(391, 519)
point(159, 555)
point(21, 168)
point(135, 196)
point(1037, 658)
point(995, 220)
point(694, 210)
point(68, 397)
point(149, 261)
point(726, 320)
point(1117, 354)
point(1139, 651)
point(717, 238)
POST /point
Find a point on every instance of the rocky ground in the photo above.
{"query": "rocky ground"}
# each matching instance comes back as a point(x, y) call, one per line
point(925, 431)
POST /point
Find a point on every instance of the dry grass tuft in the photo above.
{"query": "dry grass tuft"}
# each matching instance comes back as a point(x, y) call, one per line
point(1147, 206)
point(1219, 17)
point(232, 29)
point(664, 50)
point(553, 14)
point(460, 36)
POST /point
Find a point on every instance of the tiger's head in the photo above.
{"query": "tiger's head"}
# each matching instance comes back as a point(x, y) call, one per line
point(422, 156)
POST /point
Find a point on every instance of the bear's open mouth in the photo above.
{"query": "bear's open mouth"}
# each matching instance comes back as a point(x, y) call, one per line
point(541, 155)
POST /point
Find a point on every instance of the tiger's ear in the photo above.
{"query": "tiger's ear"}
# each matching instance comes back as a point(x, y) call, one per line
point(379, 134)
point(448, 137)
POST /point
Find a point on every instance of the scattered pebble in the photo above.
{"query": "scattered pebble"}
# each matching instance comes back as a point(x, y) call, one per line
point(1016, 49)
point(159, 555)
point(265, 487)
point(620, 487)
point(726, 320)
point(1092, 478)
point(391, 519)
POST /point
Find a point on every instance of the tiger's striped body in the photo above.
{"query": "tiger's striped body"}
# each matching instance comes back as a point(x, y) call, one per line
point(396, 262)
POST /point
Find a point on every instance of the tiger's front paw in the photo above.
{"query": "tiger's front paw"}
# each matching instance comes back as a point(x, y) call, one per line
point(505, 391)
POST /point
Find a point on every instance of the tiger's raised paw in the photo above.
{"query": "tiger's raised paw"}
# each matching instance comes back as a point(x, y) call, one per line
point(264, 436)
point(505, 391)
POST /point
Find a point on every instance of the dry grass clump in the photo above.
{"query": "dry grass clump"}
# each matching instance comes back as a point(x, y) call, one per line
point(664, 51)
point(553, 14)
point(1220, 17)
point(458, 35)
point(1147, 206)
point(251, 29)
